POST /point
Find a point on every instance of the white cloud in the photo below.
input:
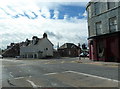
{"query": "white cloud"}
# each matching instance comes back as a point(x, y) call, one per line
point(66, 17)
point(66, 31)
point(85, 14)
point(56, 14)
point(45, 12)
point(17, 30)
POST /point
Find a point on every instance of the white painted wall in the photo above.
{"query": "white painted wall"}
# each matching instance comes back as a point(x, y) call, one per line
point(42, 45)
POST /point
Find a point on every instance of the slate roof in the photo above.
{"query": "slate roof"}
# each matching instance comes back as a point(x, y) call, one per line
point(68, 45)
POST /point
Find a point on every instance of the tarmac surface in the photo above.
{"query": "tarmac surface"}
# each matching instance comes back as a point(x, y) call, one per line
point(62, 72)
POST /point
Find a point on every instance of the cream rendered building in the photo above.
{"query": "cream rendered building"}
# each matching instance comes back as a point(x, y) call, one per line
point(37, 48)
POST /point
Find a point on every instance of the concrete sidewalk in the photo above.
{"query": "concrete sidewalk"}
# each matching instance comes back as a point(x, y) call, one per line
point(88, 61)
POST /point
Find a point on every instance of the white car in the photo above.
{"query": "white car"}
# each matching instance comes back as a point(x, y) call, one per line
point(17, 57)
point(84, 55)
point(1, 56)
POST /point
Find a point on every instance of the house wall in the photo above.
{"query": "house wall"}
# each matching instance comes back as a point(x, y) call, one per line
point(46, 44)
point(73, 52)
point(42, 49)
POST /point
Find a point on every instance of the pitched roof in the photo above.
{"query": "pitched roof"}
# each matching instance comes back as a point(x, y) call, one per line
point(68, 45)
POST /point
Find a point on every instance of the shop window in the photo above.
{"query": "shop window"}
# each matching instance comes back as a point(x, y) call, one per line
point(100, 48)
point(35, 55)
point(113, 24)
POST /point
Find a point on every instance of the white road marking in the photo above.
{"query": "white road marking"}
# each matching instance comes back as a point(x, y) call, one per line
point(50, 73)
point(20, 71)
point(33, 84)
point(85, 75)
point(93, 76)
point(11, 74)
point(19, 78)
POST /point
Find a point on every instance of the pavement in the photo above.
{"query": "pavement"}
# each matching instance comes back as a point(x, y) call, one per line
point(86, 60)
point(83, 60)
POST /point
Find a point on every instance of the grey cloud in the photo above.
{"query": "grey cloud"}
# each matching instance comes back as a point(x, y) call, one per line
point(81, 39)
point(52, 34)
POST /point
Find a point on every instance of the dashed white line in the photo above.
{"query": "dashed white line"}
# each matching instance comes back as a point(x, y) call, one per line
point(50, 73)
point(33, 84)
point(11, 74)
point(19, 78)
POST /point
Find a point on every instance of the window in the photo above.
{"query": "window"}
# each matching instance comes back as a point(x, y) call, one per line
point(100, 49)
point(97, 8)
point(89, 12)
point(89, 30)
point(113, 24)
point(111, 5)
point(99, 28)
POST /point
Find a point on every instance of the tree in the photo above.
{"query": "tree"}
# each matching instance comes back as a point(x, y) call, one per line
point(84, 46)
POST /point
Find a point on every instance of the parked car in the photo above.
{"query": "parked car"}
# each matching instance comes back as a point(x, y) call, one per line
point(85, 54)
point(1, 56)
point(88, 55)
point(17, 56)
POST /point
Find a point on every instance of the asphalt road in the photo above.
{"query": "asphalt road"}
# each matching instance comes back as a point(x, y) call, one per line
point(56, 73)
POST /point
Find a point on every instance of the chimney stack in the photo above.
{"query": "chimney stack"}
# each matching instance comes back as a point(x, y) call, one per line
point(44, 35)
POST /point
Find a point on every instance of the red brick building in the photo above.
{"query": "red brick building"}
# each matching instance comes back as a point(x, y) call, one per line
point(69, 50)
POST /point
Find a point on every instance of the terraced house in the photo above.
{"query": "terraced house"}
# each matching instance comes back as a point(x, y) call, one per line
point(104, 30)
point(37, 48)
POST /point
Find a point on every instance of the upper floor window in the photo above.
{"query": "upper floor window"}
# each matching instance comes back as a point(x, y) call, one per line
point(113, 24)
point(97, 8)
point(89, 11)
point(111, 5)
point(99, 28)
point(89, 30)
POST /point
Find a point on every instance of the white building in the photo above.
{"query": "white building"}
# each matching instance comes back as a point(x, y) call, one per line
point(37, 48)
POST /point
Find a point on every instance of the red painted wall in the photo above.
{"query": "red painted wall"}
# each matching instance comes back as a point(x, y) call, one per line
point(113, 49)
point(92, 50)
point(111, 45)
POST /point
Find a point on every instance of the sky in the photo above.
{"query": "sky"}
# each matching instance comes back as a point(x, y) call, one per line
point(63, 21)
